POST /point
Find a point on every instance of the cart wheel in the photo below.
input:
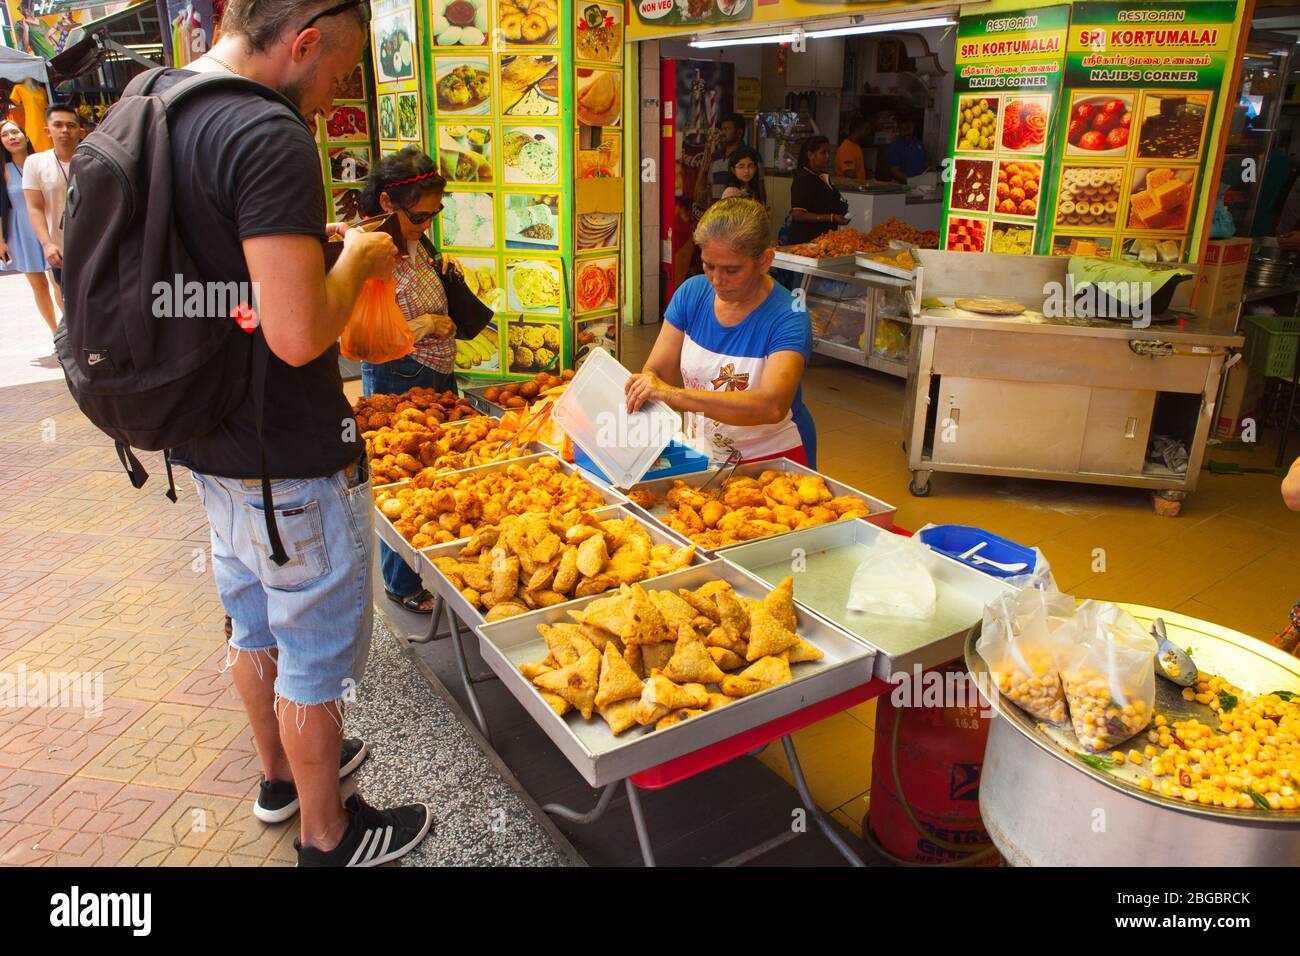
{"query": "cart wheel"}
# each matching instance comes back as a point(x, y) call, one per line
point(919, 491)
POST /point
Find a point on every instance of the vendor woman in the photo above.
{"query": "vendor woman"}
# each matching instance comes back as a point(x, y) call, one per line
point(737, 344)
point(407, 183)
point(816, 206)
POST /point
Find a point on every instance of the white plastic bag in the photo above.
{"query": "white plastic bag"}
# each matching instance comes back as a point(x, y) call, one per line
point(1109, 675)
point(895, 580)
point(1024, 635)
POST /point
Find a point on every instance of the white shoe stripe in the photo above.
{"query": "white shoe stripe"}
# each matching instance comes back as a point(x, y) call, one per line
point(388, 838)
point(360, 849)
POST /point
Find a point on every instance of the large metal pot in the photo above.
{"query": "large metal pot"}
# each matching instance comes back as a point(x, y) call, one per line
point(1044, 807)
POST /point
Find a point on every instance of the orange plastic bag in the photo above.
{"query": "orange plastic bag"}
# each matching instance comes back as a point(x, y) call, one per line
point(376, 331)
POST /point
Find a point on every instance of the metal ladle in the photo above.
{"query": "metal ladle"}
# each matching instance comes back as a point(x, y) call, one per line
point(1175, 665)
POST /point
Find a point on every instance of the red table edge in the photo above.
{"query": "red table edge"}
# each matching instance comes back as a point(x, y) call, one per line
point(714, 755)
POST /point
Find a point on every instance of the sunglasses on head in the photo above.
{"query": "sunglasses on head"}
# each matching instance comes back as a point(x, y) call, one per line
point(331, 11)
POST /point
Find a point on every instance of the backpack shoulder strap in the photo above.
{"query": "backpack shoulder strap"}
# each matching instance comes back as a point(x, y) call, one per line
point(203, 82)
point(143, 83)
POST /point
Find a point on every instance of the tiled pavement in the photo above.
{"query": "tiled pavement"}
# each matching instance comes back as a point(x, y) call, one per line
point(97, 579)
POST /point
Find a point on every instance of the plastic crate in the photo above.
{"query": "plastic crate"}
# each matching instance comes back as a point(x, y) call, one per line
point(1271, 344)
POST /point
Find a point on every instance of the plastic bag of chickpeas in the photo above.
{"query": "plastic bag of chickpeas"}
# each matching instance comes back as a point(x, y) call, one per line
point(1023, 637)
point(1109, 676)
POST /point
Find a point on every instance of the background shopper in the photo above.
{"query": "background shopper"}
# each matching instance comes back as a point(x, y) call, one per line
point(746, 169)
point(20, 250)
point(816, 206)
point(407, 183)
point(734, 339)
point(250, 207)
point(45, 184)
point(732, 129)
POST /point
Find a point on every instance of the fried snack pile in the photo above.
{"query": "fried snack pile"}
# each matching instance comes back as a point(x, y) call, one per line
point(439, 508)
point(523, 394)
point(536, 560)
point(416, 443)
point(838, 242)
point(747, 508)
point(642, 658)
point(378, 411)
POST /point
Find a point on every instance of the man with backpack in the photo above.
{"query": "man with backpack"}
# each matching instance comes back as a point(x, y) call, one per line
point(282, 472)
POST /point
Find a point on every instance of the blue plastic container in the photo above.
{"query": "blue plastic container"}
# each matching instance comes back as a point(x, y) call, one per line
point(676, 459)
point(954, 540)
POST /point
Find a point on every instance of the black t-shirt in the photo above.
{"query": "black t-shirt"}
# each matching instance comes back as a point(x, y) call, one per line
point(246, 166)
point(808, 191)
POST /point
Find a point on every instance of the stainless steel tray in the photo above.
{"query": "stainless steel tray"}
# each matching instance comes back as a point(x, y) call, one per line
point(393, 538)
point(827, 556)
point(600, 756)
point(1248, 663)
point(475, 397)
point(437, 581)
point(882, 514)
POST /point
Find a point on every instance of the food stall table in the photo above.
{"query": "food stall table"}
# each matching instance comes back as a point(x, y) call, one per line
point(1041, 394)
point(714, 755)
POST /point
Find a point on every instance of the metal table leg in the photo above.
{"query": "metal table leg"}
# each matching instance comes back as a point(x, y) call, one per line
point(465, 678)
point(814, 811)
point(591, 816)
point(638, 820)
point(434, 620)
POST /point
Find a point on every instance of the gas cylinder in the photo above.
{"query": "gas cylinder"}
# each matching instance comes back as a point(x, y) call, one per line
point(930, 737)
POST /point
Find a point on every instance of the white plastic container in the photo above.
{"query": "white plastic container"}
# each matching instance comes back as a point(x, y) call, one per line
point(593, 411)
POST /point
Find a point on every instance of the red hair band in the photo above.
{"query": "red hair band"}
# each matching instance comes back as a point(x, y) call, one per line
point(413, 179)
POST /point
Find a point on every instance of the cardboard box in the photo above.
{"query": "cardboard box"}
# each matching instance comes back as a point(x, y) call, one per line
point(1222, 282)
point(1241, 399)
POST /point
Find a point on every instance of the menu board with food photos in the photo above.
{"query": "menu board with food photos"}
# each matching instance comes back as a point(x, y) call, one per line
point(347, 142)
point(519, 102)
point(1138, 118)
point(1006, 88)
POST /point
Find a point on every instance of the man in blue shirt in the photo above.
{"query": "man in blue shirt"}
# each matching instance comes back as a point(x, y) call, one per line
point(906, 155)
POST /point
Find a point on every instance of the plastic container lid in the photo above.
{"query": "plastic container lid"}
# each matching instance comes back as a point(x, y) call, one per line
point(593, 411)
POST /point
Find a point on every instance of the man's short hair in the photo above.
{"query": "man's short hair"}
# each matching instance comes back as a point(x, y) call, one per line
point(261, 22)
point(735, 119)
point(61, 108)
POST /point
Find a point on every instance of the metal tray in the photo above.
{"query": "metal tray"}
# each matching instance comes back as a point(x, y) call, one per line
point(864, 261)
point(393, 538)
point(828, 262)
point(475, 397)
point(437, 581)
point(1249, 663)
point(827, 556)
point(882, 514)
point(600, 756)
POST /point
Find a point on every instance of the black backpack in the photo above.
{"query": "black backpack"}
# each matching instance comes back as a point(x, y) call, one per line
point(146, 379)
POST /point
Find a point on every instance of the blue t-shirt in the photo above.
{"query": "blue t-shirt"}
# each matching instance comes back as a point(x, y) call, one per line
point(719, 358)
point(909, 157)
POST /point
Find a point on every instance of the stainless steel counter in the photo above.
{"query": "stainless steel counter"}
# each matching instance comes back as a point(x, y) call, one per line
point(1052, 396)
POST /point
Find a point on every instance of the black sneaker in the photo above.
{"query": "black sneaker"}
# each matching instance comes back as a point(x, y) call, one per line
point(277, 800)
point(373, 836)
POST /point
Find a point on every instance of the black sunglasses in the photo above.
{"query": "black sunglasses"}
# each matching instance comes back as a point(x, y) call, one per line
point(331, 11)
point(419, 218)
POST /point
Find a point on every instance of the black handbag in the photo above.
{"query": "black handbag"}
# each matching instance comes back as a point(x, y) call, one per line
point(466, 309)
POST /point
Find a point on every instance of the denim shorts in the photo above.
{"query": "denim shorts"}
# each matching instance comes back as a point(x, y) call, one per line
point(316, 610)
